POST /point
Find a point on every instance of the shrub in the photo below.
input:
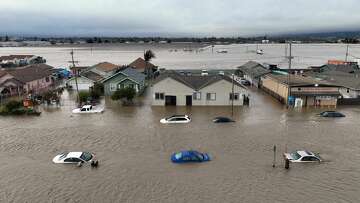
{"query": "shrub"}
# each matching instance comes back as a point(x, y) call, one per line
point(12, 105)
point(84, 96)
point(124, 93)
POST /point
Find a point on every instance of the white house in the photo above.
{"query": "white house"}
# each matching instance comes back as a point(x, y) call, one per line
point(172, 88)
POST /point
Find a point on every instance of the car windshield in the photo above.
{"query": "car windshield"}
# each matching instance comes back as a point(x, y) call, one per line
point(63, 155)
point(86, 156)
point(295, 155)
point(198, 155)
point(178, 155)
point(170, 117)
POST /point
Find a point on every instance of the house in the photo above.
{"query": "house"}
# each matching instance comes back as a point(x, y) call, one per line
point(140, 65)
point(127, 77)
point(78, 69)
point(20, 60)
point(298, 90)
point(172, 88)
point(105, 69)
point(9, 86)
point(252, 71)
point(35, 77)
point(84, 81)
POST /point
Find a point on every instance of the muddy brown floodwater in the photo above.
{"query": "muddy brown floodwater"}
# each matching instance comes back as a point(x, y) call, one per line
point(134, 152)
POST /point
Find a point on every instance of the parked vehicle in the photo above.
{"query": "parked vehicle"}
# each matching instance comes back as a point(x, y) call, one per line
point(221, 119)
point(245, 82)
point(75, 158)
point(204, 73)
point(333, 114)
point(302, 156)
point(189, 156)
point(222, 51)
point(176, 119)
point(221, 72)
point(260, 51)
point(88, 109)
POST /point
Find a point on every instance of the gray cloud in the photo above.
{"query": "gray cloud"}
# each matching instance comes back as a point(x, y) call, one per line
point(175, 17)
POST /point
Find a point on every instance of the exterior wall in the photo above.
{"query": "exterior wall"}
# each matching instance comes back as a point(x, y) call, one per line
point(171, 87)
point(281, 90)
point(84, 84)
point(349, 93)
point(222, 89)
point(38, 85)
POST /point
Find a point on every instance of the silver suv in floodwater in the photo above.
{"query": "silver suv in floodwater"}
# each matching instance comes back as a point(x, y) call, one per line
point(302, 156)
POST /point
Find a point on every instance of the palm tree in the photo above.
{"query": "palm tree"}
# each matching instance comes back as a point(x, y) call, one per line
point(148, 55)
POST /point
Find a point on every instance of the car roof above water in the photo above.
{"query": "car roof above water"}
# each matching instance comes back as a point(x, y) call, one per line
point(74, 154)
point(86, 106)
point(305, 153)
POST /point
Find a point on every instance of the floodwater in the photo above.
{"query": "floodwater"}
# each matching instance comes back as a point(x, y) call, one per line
point(134, 151)
point(305, 55)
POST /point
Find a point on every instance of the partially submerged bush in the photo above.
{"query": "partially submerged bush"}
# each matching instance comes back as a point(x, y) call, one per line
point(127, 94)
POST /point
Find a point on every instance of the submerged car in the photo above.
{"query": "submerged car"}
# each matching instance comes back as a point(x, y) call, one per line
point(189, 156)
point(302, 156)
point(221, 119)
point(73, 158)
point(333, 114)
point(176, 119)
point(88, 109)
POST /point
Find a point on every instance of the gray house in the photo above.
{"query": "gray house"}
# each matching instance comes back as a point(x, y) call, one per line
point(172, 88)
point(126, 77)
point(252, 71)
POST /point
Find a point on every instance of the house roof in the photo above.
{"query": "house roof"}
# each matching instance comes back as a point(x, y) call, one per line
point(253, 69)
point(299, 80)
point(31, 72)
point(195, 82)
point(130, 73)
point(106, 66)
point(12, 57)
point(348, 80)
point(140, 64)
point(17, 82)
point(92, 76)
point(2, 73)
point(346, 68)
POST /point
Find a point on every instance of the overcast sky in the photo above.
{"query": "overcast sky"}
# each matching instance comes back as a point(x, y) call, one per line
point(176, 17)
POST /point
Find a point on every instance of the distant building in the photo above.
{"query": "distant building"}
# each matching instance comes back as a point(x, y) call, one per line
point(172, 88)
point(20, 60)
point(9, 86)
point(252, 71)
point(104, 69)
point(304, 91)
point(127, 77)
point(84, 81)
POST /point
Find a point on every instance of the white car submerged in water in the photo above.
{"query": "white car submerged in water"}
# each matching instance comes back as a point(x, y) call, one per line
point(176, 119)
point(303, 156)
point(73, 157)
point(88, 109)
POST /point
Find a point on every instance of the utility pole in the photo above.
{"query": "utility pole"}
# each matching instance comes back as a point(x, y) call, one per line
point(347, 53)
point(76, 74)
point(232, 97)
point(288, 79)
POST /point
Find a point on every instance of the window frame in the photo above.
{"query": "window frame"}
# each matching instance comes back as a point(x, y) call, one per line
point(235, 96)
point(208, 96)
point(159, 95)
point(197, 96)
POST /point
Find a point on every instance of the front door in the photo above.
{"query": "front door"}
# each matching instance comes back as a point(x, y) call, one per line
point(188, 100)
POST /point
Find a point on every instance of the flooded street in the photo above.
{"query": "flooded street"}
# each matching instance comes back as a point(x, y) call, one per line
point(134, 151)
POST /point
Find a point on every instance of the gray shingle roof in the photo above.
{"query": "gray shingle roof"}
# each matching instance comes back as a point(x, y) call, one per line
point(130, 73)
point(194, 81)
point(31, 72)
point(340, 78)
point(253, 69)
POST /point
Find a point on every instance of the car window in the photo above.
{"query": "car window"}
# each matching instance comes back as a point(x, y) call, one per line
point(181, 119)
point(306, 158)
point(86, 156)
point(314, 159)
point(69, 160)
point(83, 109)
point(295, 155)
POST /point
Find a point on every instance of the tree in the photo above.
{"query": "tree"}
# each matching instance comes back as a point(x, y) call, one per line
point(126, 94)
point(148, 55)
point(83, 96)
point(97, 90)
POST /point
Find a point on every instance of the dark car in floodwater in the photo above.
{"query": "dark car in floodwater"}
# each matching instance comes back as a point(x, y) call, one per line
point(331, 114)
point(221, 119)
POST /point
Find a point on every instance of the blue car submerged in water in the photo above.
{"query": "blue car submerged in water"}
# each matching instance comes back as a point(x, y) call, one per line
point(189, 156)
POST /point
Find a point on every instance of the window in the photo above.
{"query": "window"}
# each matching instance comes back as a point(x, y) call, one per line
point(47, 79)
point(112, 87)
point(211, 96)
point(180, 119)
point(159, 96)
point(306, 158)
point(132, 86)
point(197, 96)
point(234, 97)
